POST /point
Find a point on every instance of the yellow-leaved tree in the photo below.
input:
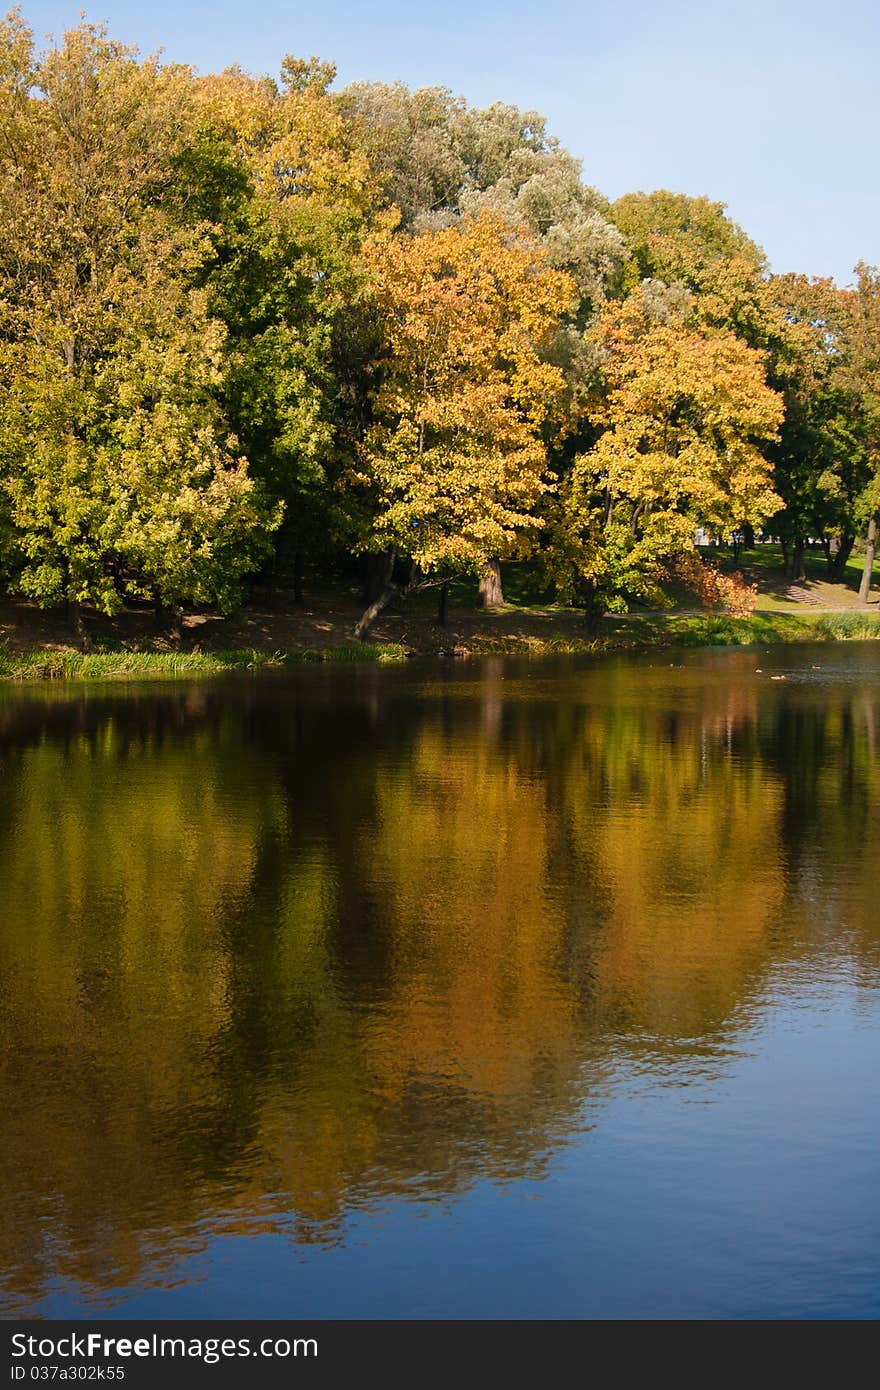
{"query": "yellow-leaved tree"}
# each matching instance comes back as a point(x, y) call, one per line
point(455, 460)
point(119, 476)
point(685, 414)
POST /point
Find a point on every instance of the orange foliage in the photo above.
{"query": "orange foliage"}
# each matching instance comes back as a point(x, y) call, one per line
point(714, 589)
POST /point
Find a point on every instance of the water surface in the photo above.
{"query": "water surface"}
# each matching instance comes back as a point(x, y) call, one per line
point(498, 989)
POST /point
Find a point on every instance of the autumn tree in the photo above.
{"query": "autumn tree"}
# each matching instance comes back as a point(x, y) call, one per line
point(454, 462)
point(680, 239)
point(277, 171)
point(441, 161)
point(680, 427)
point(692, 243)
point(436, 158)
point(860, 372)
point(116, 464)
point(222, 359)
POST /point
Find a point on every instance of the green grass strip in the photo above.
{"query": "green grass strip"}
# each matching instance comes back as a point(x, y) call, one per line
point(123, 665)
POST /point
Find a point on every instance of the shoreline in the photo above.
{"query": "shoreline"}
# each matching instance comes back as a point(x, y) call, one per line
point(633, 633)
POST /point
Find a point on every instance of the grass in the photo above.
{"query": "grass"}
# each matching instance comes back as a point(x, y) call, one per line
point(127, 665)
point(770, 628)
point(644, 631)
point(535, 644)
point(635, 632)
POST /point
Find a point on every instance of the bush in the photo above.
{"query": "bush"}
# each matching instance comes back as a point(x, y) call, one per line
point(716, 590)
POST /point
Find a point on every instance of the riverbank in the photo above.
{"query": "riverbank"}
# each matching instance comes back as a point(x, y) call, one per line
point(258, 639)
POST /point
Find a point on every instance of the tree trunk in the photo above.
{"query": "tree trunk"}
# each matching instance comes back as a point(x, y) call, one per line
point(379, 569)
point(169, 621)
point(798, 574)
point(785, 558)
point(298, 577)
point(370, 614)
point(870, 547)
point(443, 604)
point(748, 531)
point(844, 550)
point(594, 609)
point(77, 622)
point(491, 592)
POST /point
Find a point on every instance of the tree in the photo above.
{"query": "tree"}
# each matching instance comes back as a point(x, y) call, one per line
point(454, 461)
point(861, 373)
point(692, 243)
point(680, 239)
point(118, 469)
point(820, 466)
point(441, 161)
point(277, 170)
point(413, 140)
point(680, 426)
point(537, 185)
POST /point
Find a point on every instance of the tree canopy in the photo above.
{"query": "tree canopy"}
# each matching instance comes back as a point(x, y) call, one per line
point(251, 325)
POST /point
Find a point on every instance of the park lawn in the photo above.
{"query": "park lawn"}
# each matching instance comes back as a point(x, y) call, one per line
point(763, 565)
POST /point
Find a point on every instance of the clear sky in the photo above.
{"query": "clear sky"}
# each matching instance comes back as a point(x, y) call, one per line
point(773, 107)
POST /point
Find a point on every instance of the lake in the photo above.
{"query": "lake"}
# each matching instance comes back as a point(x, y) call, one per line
point(494, 989)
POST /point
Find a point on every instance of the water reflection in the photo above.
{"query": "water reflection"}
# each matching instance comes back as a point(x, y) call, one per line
point(276, 952)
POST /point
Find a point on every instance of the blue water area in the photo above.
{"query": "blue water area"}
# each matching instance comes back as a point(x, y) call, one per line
point(498, 989)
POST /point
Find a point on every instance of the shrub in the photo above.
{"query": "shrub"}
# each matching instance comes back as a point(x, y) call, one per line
point(716, 590)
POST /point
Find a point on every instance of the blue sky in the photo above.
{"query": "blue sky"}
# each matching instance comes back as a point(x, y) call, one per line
point(773, 108)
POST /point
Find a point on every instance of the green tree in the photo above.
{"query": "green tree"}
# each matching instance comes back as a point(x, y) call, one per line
point(117, 465)
point(861, 373)
point(678, 238)
point(820, 461)
point(277, 171)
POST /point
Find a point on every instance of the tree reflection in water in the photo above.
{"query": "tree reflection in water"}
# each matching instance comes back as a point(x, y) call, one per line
point(271, 952)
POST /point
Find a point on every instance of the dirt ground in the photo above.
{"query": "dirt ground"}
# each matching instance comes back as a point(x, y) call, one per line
point(322, 622)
